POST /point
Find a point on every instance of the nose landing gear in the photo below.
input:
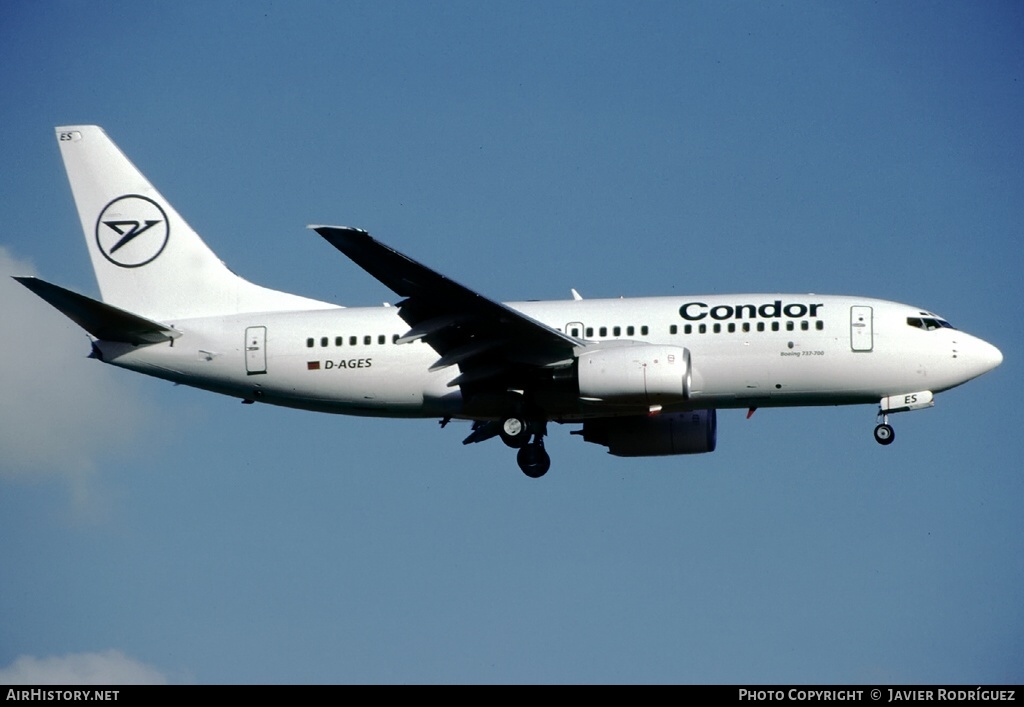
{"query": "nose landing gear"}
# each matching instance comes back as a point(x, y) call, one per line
point(903, 402)
point(884, 433)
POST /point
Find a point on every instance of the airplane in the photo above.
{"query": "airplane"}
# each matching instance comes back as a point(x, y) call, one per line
point(642, 376)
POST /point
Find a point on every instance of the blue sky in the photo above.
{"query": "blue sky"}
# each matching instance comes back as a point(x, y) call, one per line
point(159, 533)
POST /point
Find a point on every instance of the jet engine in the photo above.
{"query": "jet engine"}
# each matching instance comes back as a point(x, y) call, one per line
point(646, 374)
point(693, 432)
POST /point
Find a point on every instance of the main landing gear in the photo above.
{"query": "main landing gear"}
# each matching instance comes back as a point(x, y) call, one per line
point(528, 438)
point(520, 433)
point(514, 432)
point(533, 460)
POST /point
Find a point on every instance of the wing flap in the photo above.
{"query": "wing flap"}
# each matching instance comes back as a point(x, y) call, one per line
point(431, 326)
point(464, 353)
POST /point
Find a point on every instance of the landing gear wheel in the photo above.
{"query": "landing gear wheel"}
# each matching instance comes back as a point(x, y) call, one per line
point(533, 460)
point(514, 432)
point(884, 434)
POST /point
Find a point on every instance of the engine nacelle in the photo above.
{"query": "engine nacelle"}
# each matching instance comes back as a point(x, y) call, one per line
point(646, 374)
point(693, 432)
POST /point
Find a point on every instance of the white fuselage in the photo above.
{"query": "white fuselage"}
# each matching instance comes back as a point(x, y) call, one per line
point(759, 350)
point(645, 376)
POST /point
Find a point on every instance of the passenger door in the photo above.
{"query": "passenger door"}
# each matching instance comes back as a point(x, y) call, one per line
point(862, 336)
point(256, 350)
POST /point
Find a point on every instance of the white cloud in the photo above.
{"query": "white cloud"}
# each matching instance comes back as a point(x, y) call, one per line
point(60, 412)
point(105, 668)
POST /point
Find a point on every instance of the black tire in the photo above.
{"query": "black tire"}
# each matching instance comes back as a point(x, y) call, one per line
point(514, 432)
point(884, 434)
point(533, 460)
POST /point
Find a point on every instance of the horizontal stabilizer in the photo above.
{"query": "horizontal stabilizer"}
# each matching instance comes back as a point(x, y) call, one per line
point(103, 321)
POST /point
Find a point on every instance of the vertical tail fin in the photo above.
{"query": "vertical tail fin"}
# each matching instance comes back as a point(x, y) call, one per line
point(147, 259)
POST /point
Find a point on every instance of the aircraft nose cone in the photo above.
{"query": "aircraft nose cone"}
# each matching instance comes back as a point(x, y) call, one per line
point(983, 356)
point(990, 356)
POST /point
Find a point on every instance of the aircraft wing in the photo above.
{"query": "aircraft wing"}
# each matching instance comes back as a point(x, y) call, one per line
point(493, 344)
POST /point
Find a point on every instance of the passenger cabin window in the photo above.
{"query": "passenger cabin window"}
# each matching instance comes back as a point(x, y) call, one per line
point(926, 323)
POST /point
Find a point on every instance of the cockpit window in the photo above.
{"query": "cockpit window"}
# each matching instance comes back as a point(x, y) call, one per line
point(928, 323)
